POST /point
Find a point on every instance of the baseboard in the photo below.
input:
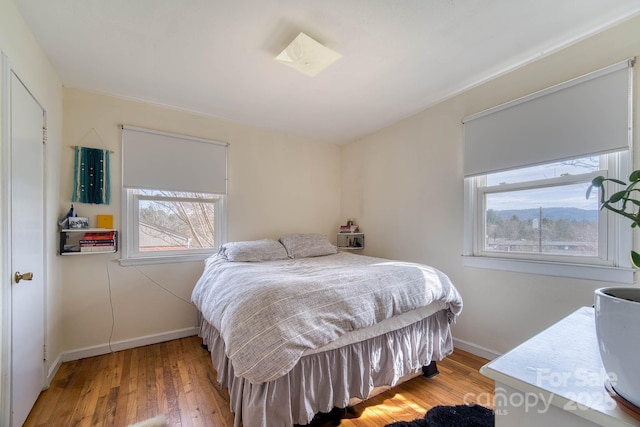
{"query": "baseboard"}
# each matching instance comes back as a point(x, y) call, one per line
point(53, 370)
point(107, 348)
point(475, 349)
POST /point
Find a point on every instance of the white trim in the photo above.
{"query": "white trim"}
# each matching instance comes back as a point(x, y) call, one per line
point(46, 227)
point(53, 370)
point(5, 268)
point(125, 262)
point(106, 348)
point(602, 273)
point(475, 349)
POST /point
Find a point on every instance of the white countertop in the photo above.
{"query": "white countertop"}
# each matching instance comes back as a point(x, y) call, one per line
point(561, 365)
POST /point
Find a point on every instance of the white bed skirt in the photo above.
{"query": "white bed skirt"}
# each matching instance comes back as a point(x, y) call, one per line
point(319, 382)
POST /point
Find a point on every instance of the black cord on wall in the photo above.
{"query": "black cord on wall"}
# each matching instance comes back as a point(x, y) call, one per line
point(113, 318)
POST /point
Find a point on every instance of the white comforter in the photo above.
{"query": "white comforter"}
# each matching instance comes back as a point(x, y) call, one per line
point(269, 313)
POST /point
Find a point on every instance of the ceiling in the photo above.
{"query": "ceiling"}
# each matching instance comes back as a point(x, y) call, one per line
point(217, 57)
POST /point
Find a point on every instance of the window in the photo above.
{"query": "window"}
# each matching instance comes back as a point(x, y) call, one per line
point(174, 193)
point(538, 220)
point(528, 165)
point(173, 224)
point(541, 212)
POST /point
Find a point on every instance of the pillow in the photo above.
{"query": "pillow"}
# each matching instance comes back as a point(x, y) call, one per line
point(300, 245)
point(254, 251)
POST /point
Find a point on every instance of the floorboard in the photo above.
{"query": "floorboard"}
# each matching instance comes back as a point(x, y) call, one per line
point(176, 378)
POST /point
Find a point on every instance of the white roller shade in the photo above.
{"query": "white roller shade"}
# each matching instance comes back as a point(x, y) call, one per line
point(585, 116)
point(164, 161)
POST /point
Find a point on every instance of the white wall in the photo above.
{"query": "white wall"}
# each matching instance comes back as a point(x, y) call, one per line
point(32, 66)
point(277, 184)
point(404, 185)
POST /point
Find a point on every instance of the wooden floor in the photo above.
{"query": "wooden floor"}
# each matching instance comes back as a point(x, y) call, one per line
point(176, 378)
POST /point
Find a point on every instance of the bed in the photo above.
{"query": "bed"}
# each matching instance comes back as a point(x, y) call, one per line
point(296, 328)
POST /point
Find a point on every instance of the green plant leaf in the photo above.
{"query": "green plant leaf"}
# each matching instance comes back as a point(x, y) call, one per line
point(597, 181)
point(616, 197)
point(629, 201)
point(617, 181)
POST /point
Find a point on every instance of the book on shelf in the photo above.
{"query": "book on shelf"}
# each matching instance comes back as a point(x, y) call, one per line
point(98, 248)
point(103, 243)
point(99, 235)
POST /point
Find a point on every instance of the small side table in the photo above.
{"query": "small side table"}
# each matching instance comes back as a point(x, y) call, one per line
point(556, 378)
point(350, 241)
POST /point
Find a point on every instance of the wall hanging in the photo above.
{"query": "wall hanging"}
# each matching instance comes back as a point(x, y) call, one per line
point(91, 175)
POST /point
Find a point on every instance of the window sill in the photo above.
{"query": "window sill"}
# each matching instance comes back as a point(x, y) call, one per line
point(577, 271)
point(169, 259)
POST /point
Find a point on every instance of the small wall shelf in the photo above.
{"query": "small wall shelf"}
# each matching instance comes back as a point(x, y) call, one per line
point(88, 241)
point(350, 241)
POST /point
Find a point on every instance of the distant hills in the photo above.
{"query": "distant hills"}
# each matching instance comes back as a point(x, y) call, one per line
point(571, 214)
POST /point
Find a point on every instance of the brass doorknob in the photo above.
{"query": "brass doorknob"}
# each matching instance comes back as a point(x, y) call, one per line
point(25, 276)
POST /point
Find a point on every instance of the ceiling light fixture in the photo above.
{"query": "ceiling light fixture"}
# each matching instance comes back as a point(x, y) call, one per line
point(307, 55)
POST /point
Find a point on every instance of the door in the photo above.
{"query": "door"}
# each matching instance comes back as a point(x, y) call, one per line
point(27, 250)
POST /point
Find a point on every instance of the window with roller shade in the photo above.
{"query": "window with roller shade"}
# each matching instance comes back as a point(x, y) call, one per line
point(528, 164)
point(174, 191)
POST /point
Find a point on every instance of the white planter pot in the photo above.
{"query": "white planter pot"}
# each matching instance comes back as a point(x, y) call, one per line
point(617, 318)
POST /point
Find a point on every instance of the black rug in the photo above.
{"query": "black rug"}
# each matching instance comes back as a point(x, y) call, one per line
point(452, 416)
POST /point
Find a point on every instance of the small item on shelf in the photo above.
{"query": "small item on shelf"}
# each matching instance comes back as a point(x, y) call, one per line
point(78, 222)
point(351, 227)
point(104, 221)
point(350, 241)
point(71, 248)
point(64, 222)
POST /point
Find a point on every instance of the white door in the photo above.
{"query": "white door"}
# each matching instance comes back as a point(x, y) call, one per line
point(27, 250)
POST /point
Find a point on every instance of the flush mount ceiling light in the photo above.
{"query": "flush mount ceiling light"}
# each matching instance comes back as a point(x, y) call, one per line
point(307, 55)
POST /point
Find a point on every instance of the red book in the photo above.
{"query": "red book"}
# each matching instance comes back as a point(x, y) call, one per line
point(107, 235)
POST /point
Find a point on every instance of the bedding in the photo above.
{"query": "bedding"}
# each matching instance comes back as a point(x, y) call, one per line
point(270, 322)
point(253, 251)
point(336, 378)
point(302, 245)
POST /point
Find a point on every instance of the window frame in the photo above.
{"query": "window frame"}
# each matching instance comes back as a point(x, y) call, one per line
point(614, 233)
point(131, 255)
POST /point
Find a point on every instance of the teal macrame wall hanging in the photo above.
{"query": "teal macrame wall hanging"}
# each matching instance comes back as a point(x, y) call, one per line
point(91, 176)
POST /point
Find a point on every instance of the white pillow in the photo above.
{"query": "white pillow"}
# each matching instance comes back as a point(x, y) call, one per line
point(302, 245)
point(254, 251)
